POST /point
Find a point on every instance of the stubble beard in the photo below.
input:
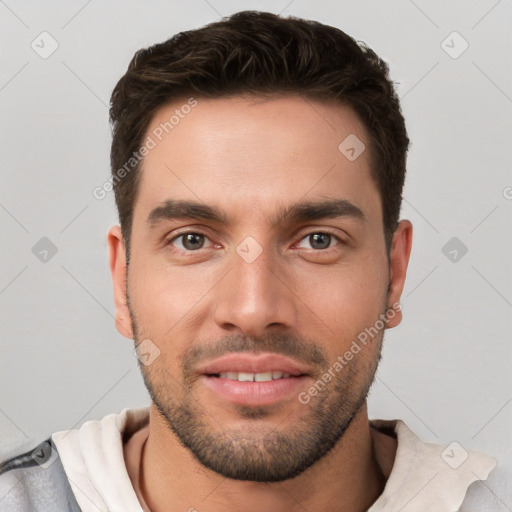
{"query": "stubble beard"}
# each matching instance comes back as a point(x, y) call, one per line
point(261, 452)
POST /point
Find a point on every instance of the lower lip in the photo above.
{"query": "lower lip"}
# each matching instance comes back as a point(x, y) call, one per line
point(254, 393)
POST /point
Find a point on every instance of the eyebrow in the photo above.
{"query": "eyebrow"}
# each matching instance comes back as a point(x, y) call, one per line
point(299, 212)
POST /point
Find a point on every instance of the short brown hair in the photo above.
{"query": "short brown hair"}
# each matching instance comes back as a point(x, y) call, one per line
point(260, 53)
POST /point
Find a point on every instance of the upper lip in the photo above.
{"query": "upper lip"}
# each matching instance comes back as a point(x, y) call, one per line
point(253, 363)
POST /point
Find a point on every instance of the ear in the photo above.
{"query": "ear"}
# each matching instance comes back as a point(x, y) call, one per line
point(398, 261)
point(117, 258)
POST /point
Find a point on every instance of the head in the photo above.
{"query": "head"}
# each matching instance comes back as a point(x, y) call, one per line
point(258, 166)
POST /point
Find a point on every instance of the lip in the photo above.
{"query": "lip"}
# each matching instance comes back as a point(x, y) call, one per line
point(254, 393)
point(254, 363)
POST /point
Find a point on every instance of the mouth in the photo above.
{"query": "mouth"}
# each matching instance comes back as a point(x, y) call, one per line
point(254, 379)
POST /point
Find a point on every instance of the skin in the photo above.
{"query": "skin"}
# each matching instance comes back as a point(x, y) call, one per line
point(249, 157)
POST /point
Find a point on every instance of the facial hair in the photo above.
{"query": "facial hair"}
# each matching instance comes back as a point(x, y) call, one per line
point(258, 453)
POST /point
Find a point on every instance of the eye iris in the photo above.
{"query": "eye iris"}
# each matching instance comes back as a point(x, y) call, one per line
point(322, 240)
point(193, 241)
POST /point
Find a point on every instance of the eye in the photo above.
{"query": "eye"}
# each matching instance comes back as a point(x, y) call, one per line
point(319, 241)
point(190, 241)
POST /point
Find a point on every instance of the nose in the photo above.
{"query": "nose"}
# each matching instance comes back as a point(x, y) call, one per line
point(255, 297)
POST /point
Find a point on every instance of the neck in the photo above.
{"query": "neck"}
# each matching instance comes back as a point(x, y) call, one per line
point(348, 478)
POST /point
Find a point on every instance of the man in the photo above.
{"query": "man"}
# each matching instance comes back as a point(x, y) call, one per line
point(258, 166)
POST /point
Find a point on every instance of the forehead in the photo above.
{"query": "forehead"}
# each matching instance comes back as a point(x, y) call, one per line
point(252, 153)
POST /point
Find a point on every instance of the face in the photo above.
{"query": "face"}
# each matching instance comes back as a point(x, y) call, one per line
point(257, 260)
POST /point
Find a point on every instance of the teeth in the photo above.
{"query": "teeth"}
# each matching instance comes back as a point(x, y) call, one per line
point(253, 377)
point(263, 377)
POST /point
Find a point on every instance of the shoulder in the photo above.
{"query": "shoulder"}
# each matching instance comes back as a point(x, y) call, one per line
point(36, 481)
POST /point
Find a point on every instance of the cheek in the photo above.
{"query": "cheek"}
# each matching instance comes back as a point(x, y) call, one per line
point(165, 300)
point(158, 288)
point(160, 307)
point(346, 299)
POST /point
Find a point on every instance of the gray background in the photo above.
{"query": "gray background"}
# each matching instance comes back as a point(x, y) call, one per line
point(446, 370)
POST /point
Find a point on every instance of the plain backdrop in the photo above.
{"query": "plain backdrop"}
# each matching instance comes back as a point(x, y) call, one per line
point(446, 370)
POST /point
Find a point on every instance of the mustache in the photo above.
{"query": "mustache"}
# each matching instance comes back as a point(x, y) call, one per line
point(297, 347)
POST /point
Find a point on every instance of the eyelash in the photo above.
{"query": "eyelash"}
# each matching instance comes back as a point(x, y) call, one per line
point(328, 250)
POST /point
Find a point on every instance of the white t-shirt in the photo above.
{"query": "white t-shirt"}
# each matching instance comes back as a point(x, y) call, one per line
point(425, 477)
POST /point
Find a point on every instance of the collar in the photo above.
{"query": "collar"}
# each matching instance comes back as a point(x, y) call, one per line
point(427, 476)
